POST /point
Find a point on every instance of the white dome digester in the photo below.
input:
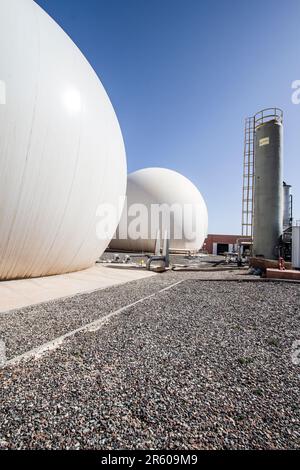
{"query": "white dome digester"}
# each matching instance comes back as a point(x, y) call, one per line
point(164, 190)
point(61, 149)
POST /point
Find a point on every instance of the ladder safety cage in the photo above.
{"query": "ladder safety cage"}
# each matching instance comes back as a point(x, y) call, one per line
point(248, 178)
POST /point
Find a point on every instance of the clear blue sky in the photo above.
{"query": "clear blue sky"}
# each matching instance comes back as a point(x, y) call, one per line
point(182, 76)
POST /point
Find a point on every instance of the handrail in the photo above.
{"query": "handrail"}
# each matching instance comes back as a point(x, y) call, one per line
point(268, 114)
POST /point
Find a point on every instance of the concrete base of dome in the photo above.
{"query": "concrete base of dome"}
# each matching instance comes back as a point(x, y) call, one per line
point(25, 292)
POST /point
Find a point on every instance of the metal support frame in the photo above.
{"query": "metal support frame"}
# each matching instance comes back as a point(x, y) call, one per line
point(164, 258)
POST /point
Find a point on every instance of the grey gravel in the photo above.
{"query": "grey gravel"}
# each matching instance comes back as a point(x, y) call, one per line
point(204, 365)
point(27, 328)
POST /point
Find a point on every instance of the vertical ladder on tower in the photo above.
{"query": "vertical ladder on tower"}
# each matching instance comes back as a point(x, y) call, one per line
point(248, 179)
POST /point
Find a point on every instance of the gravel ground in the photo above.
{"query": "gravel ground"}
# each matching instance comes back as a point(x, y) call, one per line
point(204, 365)
point(27, 328)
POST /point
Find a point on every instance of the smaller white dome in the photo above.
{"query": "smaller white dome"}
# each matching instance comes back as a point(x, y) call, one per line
point(164, 200)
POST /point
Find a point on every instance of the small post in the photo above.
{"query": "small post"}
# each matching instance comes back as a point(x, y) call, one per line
point(2, 353)
point(166, 249)
point(157, 244)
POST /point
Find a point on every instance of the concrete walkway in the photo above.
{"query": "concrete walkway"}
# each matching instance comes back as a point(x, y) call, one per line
point(25, 292)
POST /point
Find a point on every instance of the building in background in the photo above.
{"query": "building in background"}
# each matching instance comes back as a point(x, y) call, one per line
point(220, 244)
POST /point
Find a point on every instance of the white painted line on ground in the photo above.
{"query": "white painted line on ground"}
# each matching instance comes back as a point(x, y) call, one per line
point(39, 351)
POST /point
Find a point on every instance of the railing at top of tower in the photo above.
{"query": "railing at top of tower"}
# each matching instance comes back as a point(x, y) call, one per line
point(268, 114)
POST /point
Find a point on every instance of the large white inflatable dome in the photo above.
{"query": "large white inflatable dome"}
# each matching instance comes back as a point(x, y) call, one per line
point(61, 148)
point(159, 201)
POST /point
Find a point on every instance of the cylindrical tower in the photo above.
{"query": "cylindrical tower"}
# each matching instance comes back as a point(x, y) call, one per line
point(296, 247)
point(268, 176)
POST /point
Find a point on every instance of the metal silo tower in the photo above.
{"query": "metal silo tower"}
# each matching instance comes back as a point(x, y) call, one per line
point(263, 175)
